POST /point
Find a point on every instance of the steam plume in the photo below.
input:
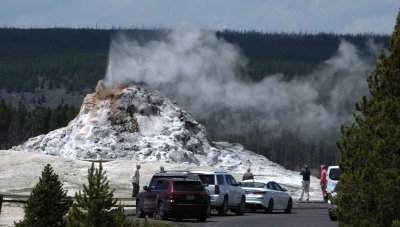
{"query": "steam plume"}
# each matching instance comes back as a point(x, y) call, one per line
point(201, 72)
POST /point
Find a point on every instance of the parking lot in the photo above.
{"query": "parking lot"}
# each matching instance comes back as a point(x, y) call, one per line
point(303, 214)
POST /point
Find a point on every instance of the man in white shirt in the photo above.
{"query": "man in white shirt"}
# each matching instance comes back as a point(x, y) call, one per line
point(135, 181)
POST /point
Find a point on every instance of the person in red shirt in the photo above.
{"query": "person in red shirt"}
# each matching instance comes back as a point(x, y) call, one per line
point(323, 181)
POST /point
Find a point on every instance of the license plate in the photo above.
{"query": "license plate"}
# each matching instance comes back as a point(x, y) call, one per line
point(190, 197)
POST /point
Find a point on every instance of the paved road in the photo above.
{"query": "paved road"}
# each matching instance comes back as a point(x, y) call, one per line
point(304, 214)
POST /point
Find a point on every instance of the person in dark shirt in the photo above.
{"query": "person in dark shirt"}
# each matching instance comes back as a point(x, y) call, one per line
point(248, 175)
point(305, 172)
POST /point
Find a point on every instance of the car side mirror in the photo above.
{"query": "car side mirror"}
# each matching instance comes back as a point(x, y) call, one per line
point(145, 188)
point(284, 189)
point(240, 183)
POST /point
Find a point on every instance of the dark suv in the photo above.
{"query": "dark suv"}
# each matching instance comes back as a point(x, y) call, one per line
point(173, 197)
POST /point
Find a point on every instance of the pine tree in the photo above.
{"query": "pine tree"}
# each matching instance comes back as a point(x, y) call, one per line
point(370, 148)
point(93, 207)
point(48, 202)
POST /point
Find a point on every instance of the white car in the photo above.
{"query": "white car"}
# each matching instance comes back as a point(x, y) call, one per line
point(225, 193)
point(332, 177)
point(267, 195)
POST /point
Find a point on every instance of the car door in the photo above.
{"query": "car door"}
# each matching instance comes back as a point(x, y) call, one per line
point(273, 194)
point(238, 190)
point(281, 195)
point(149, 203)
point(232, 190)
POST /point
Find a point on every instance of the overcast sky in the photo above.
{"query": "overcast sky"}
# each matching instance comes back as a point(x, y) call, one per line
point(339, 16)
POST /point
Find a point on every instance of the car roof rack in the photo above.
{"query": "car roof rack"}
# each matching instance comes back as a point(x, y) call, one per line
point(166, 171)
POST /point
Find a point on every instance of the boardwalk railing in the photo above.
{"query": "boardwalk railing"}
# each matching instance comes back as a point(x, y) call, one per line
point(17, 198)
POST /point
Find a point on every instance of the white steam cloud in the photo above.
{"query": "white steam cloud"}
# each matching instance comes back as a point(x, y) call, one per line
point(202, 73)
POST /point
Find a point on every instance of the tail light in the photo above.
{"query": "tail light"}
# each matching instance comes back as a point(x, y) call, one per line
point(216, 190)
point(259, 193)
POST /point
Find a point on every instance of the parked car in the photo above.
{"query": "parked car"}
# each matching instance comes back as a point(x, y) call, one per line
point(332, 176)
point(266, 195)
point(225, 192)
point(173, 197)
point(185, 174)
point(332, 203)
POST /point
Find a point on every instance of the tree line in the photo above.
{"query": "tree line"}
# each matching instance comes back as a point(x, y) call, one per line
point(77, 58)
point(18, 124)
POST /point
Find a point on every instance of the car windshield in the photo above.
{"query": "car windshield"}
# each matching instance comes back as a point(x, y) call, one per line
point(207, 179)
point(188, 186)
point(334, 174)
point(252, 184)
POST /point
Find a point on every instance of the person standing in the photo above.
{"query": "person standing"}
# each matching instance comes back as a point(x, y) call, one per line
point(135, 181)
point(305, 183)
point(323, 182)
point(248, 175)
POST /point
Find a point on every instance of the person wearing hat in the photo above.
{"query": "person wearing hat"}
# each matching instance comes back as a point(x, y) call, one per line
point(305, 172)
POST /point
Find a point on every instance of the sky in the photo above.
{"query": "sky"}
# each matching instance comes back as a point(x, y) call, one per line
point(312, 16)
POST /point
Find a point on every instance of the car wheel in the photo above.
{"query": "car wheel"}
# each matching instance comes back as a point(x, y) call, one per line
point(270, 207)
point(289, 206)
point(223, 210)
point(139, 209)
point(161, 211)
point(242, 207)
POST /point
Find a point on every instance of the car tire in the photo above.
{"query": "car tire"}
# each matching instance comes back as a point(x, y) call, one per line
point(139, 209)
point(270, 207)
point(289, 206)
point(242, 207)
point(161, 211)
point(223, 210)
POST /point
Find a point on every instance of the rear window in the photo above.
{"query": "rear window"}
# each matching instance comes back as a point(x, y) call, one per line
point(207, 179)
point(252, 184)
point(170, 175)
point(188, 186)
point(334, 174)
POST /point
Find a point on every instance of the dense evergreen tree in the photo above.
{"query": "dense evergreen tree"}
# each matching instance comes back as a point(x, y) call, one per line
point(48, 202)
point(93, 207)
point(370, 148)
point(17, 124)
